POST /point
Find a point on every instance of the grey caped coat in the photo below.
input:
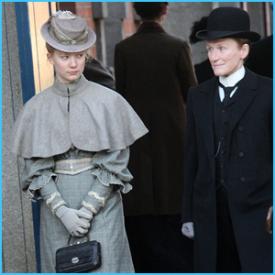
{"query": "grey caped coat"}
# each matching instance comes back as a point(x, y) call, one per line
point(72, 120)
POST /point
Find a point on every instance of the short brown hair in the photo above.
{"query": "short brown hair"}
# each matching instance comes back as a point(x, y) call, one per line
point(242, 41)
point(149, 10)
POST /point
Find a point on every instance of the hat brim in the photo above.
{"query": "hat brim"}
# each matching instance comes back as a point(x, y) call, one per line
point(213, 35)
point(68, 48)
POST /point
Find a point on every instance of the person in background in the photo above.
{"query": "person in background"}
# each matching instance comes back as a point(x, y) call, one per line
point(96, 72)
point(153, 71)
point(260, 58)
point(203, 69)
point(227, 199)
point(75, 147)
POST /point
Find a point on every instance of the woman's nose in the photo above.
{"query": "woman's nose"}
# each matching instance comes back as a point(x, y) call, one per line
point(214, 55)
point(72, 62)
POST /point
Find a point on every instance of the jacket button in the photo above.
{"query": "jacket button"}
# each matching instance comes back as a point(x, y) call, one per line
point(222, 181)
point(242, 179)
point(240, 128)
point(241, 154)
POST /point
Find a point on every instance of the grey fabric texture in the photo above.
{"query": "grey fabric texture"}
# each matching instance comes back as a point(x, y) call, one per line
point(96, 198)
point(109, 169)
point(47, 190)
point(84, 114)
point(37, 174)
point(50, 194)
point(115, 174)
point(107, 225)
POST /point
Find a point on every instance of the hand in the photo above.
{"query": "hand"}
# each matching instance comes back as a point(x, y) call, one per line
point(87, 212)
point(269, 220)
point(75, 221)
point(187, 230)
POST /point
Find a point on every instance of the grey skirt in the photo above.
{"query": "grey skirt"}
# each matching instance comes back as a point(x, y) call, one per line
point(107, 227)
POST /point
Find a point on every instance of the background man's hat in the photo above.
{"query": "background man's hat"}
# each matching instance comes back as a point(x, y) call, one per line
point(228, 22)
point(68, 32)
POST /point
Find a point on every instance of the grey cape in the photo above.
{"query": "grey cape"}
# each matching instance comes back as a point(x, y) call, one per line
point(83, 114)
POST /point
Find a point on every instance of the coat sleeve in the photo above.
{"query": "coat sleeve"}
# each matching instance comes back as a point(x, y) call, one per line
point(37, 173)
point(110, 170)
point(186, 72)
point(190, 163)
point(120, 72)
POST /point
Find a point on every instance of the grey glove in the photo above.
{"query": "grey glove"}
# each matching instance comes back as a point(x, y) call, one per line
point(75, 221)
point(90, 214)
point(187, 230)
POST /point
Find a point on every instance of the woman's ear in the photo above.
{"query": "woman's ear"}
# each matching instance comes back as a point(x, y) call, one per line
point(49, 56)
point(245, 51)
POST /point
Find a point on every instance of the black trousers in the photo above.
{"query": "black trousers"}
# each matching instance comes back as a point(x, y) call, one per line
point(227, 253)
point(157, 244)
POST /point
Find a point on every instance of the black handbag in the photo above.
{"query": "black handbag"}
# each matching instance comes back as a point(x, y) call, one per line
point(79, 257)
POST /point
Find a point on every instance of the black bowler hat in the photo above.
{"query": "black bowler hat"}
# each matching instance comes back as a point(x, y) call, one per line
point(228, 22)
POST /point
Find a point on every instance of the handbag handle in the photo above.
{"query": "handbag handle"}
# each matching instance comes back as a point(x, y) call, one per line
point(78, 242)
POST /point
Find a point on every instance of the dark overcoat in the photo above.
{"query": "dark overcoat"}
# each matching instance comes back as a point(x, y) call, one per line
point(96, 72)
point(248, 172)
point(153, 71)
point(260, 59)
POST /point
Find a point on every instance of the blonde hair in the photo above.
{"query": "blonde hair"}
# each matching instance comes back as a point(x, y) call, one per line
point(51, 50)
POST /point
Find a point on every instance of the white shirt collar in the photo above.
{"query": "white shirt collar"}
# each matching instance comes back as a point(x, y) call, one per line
point(232, 79)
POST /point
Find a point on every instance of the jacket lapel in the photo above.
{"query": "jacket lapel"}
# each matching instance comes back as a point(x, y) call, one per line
point(246, 93)
point(207, 117)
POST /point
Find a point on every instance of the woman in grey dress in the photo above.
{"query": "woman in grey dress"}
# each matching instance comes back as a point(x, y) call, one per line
point(74, 138)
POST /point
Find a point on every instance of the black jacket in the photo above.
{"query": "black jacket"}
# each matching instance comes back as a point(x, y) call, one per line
point(248, 168)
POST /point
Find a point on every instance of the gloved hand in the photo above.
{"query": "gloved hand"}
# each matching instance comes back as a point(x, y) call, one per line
point(269, 220)
point(90, 214)
point(187, 230)
point(75, 221)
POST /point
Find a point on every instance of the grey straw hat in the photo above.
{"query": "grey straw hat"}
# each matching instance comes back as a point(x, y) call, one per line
point(228, 22)
point(67, 32)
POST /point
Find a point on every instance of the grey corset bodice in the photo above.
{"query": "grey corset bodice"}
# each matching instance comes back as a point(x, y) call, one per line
point(73, 162)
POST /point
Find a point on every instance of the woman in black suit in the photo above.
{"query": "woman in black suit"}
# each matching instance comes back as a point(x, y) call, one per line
point(227, 205)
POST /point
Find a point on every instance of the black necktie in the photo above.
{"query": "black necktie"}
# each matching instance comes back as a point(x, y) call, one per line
point(227, 91)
